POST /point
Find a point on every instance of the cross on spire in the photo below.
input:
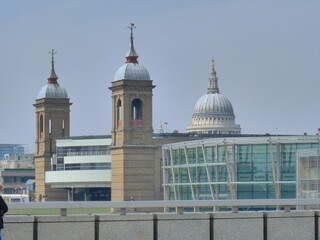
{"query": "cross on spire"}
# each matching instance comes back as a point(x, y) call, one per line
point(52, 52)
point(53, 76)
point(132, 54)
point(131, 27)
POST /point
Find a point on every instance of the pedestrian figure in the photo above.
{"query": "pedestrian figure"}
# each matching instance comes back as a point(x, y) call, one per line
point(3, 209)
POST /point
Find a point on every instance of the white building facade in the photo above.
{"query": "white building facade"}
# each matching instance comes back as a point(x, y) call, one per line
point(82, 166)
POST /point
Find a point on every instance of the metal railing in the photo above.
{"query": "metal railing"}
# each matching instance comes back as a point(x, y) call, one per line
point(179, 205)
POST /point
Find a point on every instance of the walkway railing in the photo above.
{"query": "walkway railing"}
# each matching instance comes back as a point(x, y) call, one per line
point(179, 205)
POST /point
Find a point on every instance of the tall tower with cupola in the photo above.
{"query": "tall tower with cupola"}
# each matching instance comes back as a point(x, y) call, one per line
point(133, 150)
point(52, 122)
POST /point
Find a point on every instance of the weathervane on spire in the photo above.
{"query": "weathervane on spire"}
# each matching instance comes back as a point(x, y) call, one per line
point(132, 54)
point(53, 76)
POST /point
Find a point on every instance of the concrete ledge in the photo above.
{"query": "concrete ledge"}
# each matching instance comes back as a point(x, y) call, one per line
point(126, 227)
point(295, 225)
point(183, 226)
point(69, 227)
point(17, 226)
point(238, 226)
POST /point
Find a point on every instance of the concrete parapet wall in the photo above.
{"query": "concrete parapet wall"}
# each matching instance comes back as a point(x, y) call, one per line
point(183, 226)
point(291, 225)
point(127, 227)
point(295, 225)
point(238, 226)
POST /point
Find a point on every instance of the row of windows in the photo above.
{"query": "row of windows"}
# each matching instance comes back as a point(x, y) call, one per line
point(83, 151)
point(82, 166)
point(241, 153)
point(243, 191)
point(198, 119)
point(11, 179)
point(220, 174)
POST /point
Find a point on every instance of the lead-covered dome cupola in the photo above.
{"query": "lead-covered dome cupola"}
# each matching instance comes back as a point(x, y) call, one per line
point(52, 89)
point(132, 69)
point(213, 112)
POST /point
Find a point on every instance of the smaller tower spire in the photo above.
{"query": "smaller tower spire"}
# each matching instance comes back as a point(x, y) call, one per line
point(53, 76)
point(213, 80)
point(132, 55)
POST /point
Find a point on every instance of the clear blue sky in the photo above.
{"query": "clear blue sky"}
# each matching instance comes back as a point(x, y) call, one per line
point(267, 57)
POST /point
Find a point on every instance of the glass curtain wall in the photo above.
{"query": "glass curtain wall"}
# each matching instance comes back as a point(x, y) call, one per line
point(232, 169)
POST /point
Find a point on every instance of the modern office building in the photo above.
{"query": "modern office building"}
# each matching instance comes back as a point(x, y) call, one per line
point(213, 112)
point(15, 171)
point(82, 166)
point(17, 161)
point(11, 149)
point(241, 168)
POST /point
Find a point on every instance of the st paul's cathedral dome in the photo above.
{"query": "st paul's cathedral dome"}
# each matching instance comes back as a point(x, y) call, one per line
point(213, 112)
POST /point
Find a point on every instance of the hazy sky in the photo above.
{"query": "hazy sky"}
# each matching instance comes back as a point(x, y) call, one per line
point(267, 57)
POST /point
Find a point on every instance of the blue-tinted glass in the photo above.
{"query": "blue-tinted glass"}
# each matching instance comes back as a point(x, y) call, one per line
point(209, 154)
point(200, 155)
point(191, 155)
point(259, 195)
point(259, 157)
point(244, 157)
point(182, 157)
point(261, 148)
point(244, 177)
point(244, 187)
point(303, 145)
point(203, 174)
point(260, 176)
point(244, 167)
point(175, 157)
point(244, 195)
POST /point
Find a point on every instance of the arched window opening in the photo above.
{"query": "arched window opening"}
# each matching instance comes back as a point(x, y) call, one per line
point(119, 113)
point(136, 113)
point(50, 126)
point(41, 127)
point(62, 128)
point(119, 110)
point(136, 108)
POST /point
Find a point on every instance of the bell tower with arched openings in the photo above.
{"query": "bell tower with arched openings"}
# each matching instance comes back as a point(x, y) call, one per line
point(132, 151)
point(52, 122)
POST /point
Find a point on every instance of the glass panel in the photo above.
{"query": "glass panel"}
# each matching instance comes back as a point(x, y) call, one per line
point(259, 148)
point(182, 157)
point(200, 155)
point(191, 155)
point(259, 157)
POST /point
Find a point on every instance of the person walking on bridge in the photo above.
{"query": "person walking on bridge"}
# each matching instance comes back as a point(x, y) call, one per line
point(3, 209)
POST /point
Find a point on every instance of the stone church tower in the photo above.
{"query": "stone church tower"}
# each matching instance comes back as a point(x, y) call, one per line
point(132, 150)
point(52, 122)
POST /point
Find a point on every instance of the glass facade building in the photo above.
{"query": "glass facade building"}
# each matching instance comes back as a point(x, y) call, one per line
point(233, 168)
point(10, 149)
